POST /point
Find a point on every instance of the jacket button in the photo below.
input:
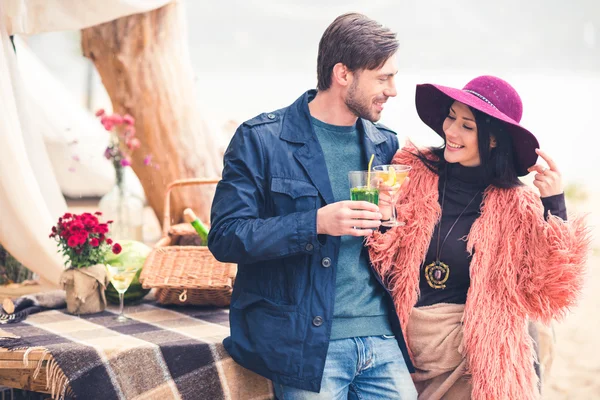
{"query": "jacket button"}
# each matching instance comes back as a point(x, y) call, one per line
point(309, 247)
point(317, 321)
point(271, 116)
point(326, 262)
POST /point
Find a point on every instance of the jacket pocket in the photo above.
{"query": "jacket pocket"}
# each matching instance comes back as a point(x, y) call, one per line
point(272, 332)
point(246, 299)
point(293, 195)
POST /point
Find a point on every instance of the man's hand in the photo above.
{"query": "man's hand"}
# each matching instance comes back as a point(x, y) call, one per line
point(354, 218)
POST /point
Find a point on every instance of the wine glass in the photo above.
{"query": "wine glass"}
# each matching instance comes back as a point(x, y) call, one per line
point(121, 276)
point(391, 177)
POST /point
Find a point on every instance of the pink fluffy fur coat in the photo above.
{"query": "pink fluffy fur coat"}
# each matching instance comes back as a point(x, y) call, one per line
point(522, 268)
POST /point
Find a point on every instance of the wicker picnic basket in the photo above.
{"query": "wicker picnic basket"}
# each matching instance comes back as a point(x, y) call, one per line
point(186, 275)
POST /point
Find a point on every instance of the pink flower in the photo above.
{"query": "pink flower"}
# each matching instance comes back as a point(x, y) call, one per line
point(94, 242)
point(100, 112)
point(75, 158)
point(129, 132)
point(116, 119)
point(77, 226)
point(128, 119)
point(108, 125)
point(133, 144)
point(98, 213)
point(125, 162)
point(148, 159)
point(102, 228)
point(72, 242)
point(108, 241)
point(90, 222)
point(108, 153)
point(116, 248)
point(82, 237)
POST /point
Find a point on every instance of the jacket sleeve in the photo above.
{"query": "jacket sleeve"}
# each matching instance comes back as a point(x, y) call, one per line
point(555, 205)
point(239, 231)
point(554, 272)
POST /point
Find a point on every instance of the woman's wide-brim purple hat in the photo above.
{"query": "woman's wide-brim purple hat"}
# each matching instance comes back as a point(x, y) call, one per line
point(490, 95)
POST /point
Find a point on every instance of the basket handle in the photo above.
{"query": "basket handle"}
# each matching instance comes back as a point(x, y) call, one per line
point(174, 184)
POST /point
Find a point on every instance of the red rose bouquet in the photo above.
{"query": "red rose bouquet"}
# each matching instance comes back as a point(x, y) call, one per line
point(82, 239)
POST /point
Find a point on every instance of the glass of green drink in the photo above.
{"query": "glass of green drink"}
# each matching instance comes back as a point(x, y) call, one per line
point(360, 187)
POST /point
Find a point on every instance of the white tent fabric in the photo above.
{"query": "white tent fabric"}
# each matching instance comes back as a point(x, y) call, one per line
point(74, 138)
point(30, 198)
point(29, 195)
point(35, 16)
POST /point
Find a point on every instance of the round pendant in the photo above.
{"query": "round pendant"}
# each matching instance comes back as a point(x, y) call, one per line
point(437, 274)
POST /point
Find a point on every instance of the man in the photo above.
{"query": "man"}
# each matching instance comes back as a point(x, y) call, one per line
point(307, 311)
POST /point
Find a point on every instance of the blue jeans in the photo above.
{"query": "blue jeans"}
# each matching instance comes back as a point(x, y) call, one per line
point(359, 368)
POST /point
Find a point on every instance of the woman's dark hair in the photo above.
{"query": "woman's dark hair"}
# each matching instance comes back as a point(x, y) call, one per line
point(498, 162)
point(356, 41)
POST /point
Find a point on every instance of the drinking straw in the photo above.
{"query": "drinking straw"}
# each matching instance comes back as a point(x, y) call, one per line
point(369, 171)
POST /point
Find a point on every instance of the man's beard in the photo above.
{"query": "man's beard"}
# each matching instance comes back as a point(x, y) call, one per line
point(360, 105)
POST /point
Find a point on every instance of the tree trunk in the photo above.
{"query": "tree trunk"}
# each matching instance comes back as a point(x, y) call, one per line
point(144, 64)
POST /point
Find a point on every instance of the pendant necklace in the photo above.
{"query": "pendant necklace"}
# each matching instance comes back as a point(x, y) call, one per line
point(438, 272)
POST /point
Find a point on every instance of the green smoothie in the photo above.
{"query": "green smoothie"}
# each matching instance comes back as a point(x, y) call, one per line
point(365, 194)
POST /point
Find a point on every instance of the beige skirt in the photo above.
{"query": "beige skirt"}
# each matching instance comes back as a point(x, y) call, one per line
point(435, 336)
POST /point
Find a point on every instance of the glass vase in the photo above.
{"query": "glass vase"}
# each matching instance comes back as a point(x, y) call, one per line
point(126, 210)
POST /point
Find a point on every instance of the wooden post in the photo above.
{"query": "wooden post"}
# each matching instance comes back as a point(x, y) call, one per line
point(144, 63)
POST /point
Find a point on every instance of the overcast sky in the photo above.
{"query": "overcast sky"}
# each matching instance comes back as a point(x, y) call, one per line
point(433, 34)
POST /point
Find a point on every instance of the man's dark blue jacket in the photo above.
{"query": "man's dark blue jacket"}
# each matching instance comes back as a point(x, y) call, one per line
point(264, 218)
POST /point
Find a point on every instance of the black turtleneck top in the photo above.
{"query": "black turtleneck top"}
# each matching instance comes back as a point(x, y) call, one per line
point(462, 185)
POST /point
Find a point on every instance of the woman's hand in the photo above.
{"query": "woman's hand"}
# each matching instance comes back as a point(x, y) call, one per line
point(388, 196)
point(547, 179)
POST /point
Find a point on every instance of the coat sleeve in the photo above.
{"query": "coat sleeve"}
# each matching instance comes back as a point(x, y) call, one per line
point(239, 232)
point(554, 271)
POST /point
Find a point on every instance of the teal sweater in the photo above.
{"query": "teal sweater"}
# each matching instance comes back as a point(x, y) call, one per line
point(360, 307)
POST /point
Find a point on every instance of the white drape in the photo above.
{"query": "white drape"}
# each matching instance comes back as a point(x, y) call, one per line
point(30, 198)
point(29, 195)
point(74, 138)
point(36, 16)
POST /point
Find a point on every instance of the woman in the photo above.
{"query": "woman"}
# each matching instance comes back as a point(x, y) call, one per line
point(480, 255)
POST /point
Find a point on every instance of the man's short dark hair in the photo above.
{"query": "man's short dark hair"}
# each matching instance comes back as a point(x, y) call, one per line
point(357, 42)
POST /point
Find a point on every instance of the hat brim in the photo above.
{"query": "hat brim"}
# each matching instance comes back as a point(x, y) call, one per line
point(433, 103)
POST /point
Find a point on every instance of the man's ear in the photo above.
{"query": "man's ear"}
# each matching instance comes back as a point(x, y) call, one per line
point(493, 142)
point(341, 75)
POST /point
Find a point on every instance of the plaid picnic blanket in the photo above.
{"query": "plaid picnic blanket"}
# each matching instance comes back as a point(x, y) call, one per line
point(161, 353)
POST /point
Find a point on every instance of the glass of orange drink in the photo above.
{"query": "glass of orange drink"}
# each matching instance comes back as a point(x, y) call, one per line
point(390, 178)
